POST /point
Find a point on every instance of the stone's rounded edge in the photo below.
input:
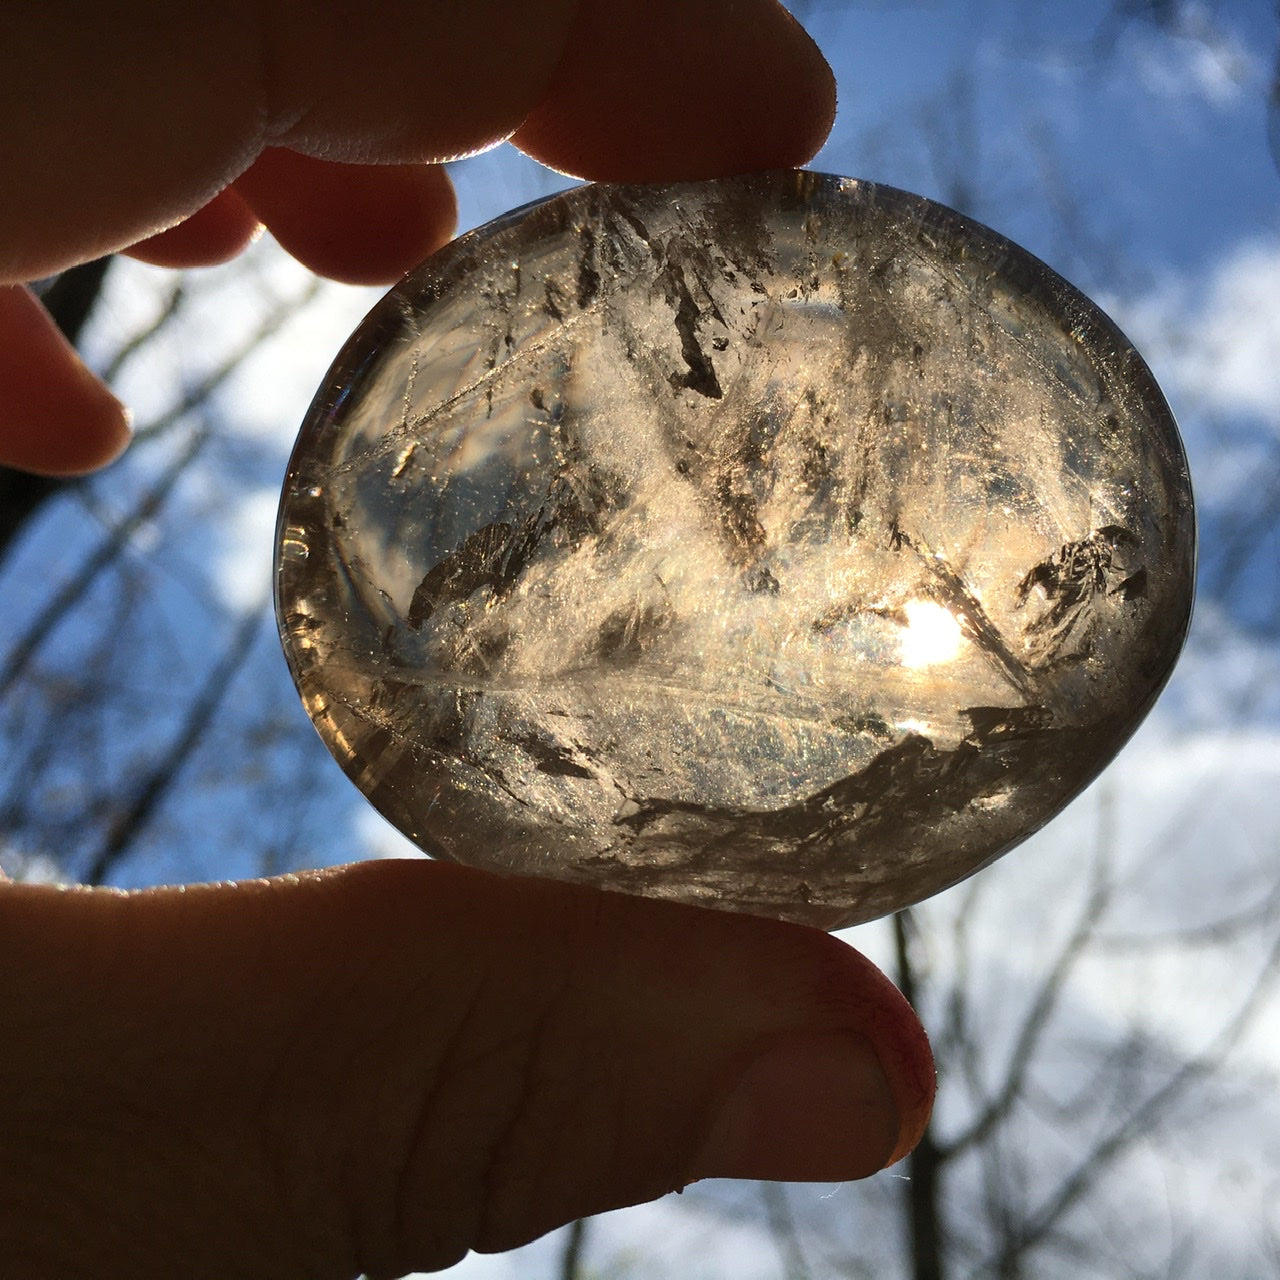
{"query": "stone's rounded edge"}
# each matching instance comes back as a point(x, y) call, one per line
point(412, 299)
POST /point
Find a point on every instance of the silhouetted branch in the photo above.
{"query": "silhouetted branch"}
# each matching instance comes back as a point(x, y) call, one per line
point(923, 1189)
point(105, 553)
point(204, 387)
point(782, 1226)
point(174, 300)
point(571, 1258)
point(1138, 1121)
point(156, 786)
point(1011, 1089)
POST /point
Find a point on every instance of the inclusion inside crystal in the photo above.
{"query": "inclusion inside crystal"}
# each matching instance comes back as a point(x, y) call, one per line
point(787, 544)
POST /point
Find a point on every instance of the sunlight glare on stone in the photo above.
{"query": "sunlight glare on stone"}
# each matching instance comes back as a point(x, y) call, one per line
point(932, 634)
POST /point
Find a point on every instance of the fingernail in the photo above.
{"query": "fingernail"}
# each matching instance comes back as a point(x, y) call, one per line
point(813, 1108)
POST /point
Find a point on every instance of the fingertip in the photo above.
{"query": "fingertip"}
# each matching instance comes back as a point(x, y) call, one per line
point(814, 1107)
point(358, 224)
point(659, 90)
point(909, 1067)
point(868, 1001)
point(57, 418)
point(212, 235)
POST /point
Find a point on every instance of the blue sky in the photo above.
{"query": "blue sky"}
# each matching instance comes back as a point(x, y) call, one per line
point(1158, 137)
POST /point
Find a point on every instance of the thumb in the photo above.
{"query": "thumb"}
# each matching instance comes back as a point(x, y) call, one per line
point(382, 1067)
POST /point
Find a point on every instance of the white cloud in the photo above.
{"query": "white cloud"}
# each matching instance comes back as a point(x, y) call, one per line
point(1202, 61)
point(1214, 341)
point(1235, 365)
point(1227, 679)
point(273, 387)
point(242, 573)
point(1184, 69)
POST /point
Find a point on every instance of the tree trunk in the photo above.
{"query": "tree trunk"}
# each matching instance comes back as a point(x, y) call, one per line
point(924, 1165)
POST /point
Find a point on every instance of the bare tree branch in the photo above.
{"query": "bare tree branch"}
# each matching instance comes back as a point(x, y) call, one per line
point(105, 553)
point(923, 1189)
point(782, 1226)
point(110, 548)
point(175, 297)
point(1021, 1059)
point(1140, 1120)
point(574, 1246)
point(157, 784)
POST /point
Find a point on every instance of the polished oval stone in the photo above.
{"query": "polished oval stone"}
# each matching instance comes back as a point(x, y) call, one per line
point(787, 544)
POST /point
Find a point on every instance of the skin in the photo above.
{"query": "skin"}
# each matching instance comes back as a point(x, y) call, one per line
point(380, 1067)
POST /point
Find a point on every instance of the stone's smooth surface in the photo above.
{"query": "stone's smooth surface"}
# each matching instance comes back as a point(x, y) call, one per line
point(787, 544)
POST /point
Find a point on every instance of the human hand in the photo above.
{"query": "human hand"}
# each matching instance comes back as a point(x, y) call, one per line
point(380, 1067)
point(177, 130)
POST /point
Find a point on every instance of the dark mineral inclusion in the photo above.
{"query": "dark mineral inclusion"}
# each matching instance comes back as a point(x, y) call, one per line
point(786, 544)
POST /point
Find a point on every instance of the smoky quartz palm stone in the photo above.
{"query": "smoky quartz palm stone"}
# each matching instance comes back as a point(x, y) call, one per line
point(787, 544)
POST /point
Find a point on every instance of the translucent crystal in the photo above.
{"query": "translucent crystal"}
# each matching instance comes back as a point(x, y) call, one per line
point(787, 544)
